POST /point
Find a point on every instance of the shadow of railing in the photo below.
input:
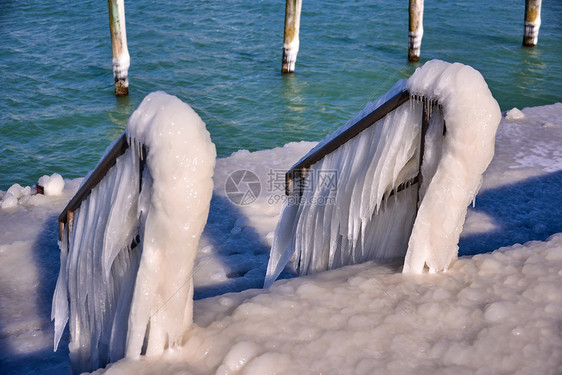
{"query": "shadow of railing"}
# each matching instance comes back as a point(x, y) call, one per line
point(16, 357)
point(242, 253)
point(530, 210)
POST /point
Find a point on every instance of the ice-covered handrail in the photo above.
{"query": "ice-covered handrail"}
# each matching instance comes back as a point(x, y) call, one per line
point(368, 124)
point(130, 236)
point(381, 111)
point(108, 160)
point(339, 211)
point(351, 132)
point(370, 119)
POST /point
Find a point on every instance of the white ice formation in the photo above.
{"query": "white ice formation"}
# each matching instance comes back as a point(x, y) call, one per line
point(52, 185)
point(360, 219)
point(452, 171)
point(125, 282)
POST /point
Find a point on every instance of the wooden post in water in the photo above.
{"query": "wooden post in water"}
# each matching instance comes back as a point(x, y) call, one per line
point(121, 59)
point(532, 22)
point(415, 31)
point(291, 40)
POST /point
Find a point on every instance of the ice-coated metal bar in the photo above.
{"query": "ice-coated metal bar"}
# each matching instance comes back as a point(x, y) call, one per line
point(108, 161)
point(351, 132)
point(426, 114)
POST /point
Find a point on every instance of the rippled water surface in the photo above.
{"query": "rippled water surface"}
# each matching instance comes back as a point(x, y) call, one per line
point(58, 111)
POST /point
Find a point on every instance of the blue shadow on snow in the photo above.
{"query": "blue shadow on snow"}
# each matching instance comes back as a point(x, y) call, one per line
point(529, 210)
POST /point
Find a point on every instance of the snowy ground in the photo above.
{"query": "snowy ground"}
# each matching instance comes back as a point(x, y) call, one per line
point(493, 313)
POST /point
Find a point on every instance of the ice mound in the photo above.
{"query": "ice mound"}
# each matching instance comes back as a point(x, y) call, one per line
point(52, 185)
point(9, 201)
point(16, 194)
point(514, 114)
point(377, 161)
point(12, 196)
point(125, 283)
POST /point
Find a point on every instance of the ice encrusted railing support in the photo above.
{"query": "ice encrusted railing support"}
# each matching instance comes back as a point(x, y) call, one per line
point(295, 174)
point(66, 218)
point(128, 244)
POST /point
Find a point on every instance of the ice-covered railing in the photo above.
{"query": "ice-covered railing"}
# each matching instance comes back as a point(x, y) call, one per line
point(395, 143)
point(298, 170)
point(318, 250)
point(118, 148)
point(129, 237)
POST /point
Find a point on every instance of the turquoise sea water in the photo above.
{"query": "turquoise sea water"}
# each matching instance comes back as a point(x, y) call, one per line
point(58, 112)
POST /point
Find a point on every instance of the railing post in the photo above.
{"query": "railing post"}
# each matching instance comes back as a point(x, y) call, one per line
point(121, 59)
point(426, 112)
point(415, 30)
point(532, 22)
point(291, 39)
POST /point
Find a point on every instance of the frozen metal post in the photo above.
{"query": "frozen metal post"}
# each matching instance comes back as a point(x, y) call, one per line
point(291, 40)
point(415, 30)
point(532, 22)
point(121, 59)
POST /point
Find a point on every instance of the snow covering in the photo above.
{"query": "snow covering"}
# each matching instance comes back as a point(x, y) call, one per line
point(362, 221)
point(119, 293)
point(493, 313)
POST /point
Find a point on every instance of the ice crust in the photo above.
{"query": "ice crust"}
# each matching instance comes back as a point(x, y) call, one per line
point(118, 297)
point(362, 223)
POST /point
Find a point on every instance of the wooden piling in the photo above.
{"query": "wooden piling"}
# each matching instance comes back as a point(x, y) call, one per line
point(291, 40)
point(121, 59)
point(415, 31)
point(532, 22)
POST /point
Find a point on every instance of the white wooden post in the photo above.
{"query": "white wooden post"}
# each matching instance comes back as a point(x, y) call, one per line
point(415, 31)
point(532, 22)
point(121, 59)
point(291, 40)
